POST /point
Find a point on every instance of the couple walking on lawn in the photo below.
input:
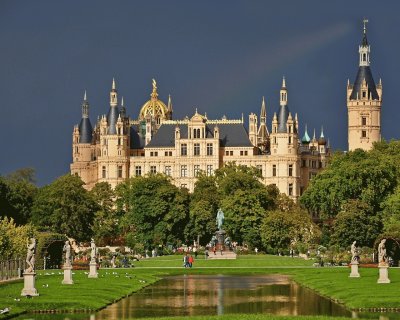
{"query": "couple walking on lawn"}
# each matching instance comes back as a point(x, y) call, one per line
point(188, 261)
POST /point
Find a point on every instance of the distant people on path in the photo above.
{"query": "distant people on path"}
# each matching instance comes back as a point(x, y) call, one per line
point(256, 250)
point(113, 265)
point(190, 261)
point(153, 253)
point(186, 262)
point(291, 252)
point(206, 254)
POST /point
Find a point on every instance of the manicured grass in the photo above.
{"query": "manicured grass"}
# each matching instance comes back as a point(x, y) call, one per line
point(245, 261)
point(113, 284)
point(85, 294)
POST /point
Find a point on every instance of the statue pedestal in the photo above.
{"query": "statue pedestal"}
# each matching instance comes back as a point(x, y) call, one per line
point(383, 273)
point(220, 234)
point(93, 270)
point(67, 275)
point(29, 285)
point(354, 270)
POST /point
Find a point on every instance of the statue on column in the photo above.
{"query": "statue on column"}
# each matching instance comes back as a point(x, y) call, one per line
point(382, 256)
point(93, 251)
point(220, 219)
point(30, 256)
point(354, 252)
point(67, 250)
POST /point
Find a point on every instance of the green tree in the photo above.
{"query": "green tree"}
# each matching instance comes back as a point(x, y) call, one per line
point(282, 229)
point(106, 219)
point(367, 176)
point(13, 238)
point(156, 211)
point(356, 222)
point(22, 193)
point(203, 207)
point(65, 207)
point(391, 214)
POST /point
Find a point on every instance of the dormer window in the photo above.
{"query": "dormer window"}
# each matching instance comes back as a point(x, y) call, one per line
point(196, 133)
point(364, 94)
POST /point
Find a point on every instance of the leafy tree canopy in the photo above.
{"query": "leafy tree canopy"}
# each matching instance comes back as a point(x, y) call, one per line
point(65, 207)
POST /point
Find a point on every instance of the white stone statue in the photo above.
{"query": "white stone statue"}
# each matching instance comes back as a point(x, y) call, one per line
point(30, 256)
point(67, 250)
point(220, 219)
point(93, 252)
point(354, 252)
point(382, 256)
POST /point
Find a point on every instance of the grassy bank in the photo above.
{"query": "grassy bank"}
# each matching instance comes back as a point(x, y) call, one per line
point(113, 284)
point(84, 295)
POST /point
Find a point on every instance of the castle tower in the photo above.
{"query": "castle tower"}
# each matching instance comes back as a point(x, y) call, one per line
point(83, 150)
point(113, 112)
point(364, 102)
point(284, 138)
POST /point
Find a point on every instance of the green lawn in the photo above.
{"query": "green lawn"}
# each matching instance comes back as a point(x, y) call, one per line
point(114, 284)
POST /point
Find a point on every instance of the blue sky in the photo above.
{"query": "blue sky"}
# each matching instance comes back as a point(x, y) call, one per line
point(218, 56)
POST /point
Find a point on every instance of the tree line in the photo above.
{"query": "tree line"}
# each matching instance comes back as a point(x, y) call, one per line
point(356, 198)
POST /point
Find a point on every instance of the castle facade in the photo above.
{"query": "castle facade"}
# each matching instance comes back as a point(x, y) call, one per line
point(119, 147)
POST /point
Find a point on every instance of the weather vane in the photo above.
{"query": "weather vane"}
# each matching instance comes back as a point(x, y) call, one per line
point(365, 21)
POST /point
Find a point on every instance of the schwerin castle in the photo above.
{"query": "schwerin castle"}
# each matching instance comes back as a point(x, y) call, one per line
point(119, 147)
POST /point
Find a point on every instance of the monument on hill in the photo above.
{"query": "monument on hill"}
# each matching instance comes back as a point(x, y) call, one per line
point(29, 273)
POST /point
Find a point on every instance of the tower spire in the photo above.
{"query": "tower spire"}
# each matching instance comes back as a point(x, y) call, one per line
point(364, 48)
point(85, 107)
point(84, 97)
point(113, 95)
point(263, 113)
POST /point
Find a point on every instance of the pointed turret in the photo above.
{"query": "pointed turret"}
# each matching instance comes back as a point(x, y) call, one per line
point(364, 74)
point(263, 134)
point(306, 138)
point(85, 127)
point(113, 112)
point(322, 140)
point(123, 109)
point(283, 109)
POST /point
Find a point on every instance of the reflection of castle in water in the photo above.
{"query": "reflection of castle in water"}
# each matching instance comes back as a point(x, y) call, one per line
point(210, 295)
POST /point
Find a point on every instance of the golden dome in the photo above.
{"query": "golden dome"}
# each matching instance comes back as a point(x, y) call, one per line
point(154, 107)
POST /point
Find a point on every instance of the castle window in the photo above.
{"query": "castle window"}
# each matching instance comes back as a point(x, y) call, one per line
point(364, 57)
point(364, 121)
point(290, 129)
point(363, 134)
point(274, 140)
point(168, 170)
point(153, 169)
point(303, 163)
point(196, 133)
point(290, 189)
point(183, 149)
point(227, 153)
point(119, 132)
point(241, 152)
point(170, 153)
point(76, 150)
point(196, 170)
point(210, 170)
point(166, 153)
point(104, 172)
point(290, 170)
point(209, 149)
point(119, 171)
point(246, 153)
point(184, 171)
point(138, 171)
point(364, 94)
point(196, 149)
point(290, 140)
point(274, 170)
point(119, 141)
point(231, 153)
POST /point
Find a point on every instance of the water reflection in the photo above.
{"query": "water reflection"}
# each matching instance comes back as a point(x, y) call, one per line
point(212, 295)
point(219, 294)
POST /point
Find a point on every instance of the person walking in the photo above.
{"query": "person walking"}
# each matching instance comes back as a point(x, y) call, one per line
point(190, 260)
point(185, 260)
